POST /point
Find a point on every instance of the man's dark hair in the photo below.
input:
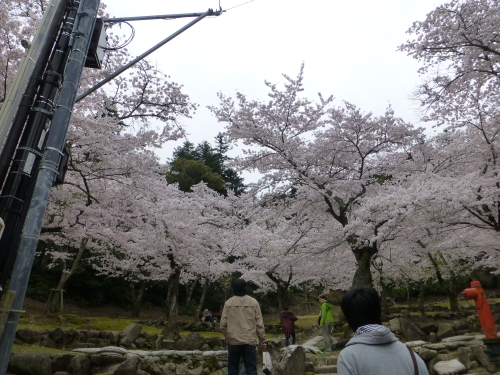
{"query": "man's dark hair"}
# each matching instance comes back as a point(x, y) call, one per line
point(239, 287)
point(361, 306)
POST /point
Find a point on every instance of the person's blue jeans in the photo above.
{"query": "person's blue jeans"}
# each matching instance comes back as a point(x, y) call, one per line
point(249, 355)
point(287, 338)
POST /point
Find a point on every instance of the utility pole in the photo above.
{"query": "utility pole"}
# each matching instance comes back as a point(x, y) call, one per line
point(33, 148)
point(23, 150)
point(82, 33)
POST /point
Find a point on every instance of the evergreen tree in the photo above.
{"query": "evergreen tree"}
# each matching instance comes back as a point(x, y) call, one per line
point(190, 165)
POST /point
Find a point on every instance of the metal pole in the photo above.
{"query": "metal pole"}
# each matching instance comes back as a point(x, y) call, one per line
point(15, 94)
point(48, 170)
point(23, 150)
point(160, 17)
point(137, 59)
point(27, 79)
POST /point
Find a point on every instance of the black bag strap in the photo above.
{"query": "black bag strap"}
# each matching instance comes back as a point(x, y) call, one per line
point(413, 359)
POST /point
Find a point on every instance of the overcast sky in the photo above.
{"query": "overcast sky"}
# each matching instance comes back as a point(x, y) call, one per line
point(348, 47)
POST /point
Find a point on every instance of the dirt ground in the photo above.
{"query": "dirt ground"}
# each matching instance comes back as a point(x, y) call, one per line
point(32, 306)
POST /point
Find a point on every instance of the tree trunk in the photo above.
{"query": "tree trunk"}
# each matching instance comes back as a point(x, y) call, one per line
point(282, 288)
point(421, 299)
point(282, 296)
point(363, 275)
point(453, 293)
point(383, 296)
point(137, 294)
point(172, 329)
point(196, 317)
point(55, 303)
point(451, 287)
point(408, 295)
point(190, 291)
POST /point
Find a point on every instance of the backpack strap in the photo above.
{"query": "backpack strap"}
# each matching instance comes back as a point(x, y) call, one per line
point(413, 359)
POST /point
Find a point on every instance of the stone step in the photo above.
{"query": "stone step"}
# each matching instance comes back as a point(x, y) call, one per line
point(332, 369)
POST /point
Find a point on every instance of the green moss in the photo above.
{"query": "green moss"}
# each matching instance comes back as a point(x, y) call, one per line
point(18, 348)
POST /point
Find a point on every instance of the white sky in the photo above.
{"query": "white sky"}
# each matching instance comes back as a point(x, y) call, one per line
point(348, 47)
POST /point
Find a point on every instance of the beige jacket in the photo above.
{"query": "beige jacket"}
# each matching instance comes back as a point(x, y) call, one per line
point(241, 321)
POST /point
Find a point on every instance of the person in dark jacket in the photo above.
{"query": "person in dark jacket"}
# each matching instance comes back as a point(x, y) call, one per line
point(288, 323)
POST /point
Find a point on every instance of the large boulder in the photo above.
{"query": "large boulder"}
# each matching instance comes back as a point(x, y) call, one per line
point(30, 363)
point(449, 367)
point(60, 362)
point(215, 343)
point(410, 331)
point(130, 334)
point(129, 367)
point(445, 330)
point(28, 336)
point(58, 336)
point(79, 365)
point(295, 365)
point(193, 341)
point(482, 357)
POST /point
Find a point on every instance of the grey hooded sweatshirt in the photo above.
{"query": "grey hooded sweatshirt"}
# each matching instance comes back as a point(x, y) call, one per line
point(378, 353)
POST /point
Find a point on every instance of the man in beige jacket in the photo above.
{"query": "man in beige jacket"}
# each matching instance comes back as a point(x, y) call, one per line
point(243, 327)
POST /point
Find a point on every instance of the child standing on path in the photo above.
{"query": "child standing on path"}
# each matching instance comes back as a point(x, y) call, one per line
point(326, 322)
point(288, 323)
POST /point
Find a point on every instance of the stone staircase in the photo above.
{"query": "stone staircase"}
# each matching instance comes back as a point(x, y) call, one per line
point(325, 364)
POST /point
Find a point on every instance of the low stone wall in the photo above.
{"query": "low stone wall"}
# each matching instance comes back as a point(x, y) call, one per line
point(132, 338)
point(460, 353)
point(119, 361)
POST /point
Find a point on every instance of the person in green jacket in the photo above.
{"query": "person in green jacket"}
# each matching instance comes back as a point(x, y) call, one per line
point(326, 323)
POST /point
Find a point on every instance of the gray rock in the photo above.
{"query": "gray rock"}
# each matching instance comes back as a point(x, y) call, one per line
point(296, 363)
point(31, 363)
point(214, 342)
point(193, 341)
point(482, 357)
point(29, 336)
point(60, 362)
point(445, 330)
point(464, 356)
point(449, 367)
point(48, 342)
point(106, 360)
point(395, 326)
point(415, 344)
point(427, 354)
point(130, 334)
point(140, 342)
point(79, 365)
point(410, 330)
point(433, 337)
point(458, 338)
point(87, 350)
point(459, 325)
point(444, 357)
point(70, 336)
point(57, 335)
point(114, 349)
point(129, 367)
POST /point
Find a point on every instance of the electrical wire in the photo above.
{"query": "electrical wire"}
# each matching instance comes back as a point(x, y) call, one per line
point(127, 42)
point(236, 6)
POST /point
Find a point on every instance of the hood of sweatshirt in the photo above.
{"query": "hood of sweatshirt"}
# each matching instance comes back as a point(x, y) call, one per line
point(373, 338)
point(286, 313)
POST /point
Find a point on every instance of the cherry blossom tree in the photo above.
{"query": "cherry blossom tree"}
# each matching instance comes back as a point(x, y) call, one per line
point(340, 154)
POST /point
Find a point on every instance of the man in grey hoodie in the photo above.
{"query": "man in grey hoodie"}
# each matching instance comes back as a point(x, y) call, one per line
point(374, 350)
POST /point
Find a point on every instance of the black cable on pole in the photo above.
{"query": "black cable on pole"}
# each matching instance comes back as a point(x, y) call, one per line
point(52, 153)
point(22, 152)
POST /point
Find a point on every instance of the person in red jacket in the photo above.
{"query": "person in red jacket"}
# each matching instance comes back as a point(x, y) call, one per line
point(288, 323)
